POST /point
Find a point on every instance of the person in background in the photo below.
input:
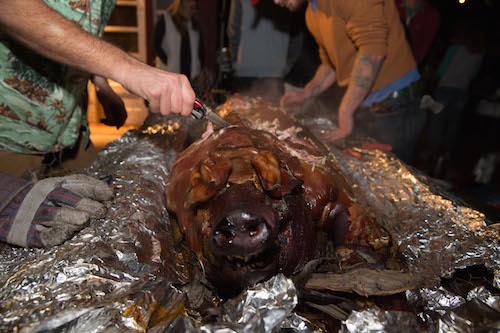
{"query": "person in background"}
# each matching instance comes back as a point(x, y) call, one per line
point(459, 66)
point(48, 50)
point(362, 45)
point(208, 26)
point(177, 39)
point(259, 38)
point(422, 24)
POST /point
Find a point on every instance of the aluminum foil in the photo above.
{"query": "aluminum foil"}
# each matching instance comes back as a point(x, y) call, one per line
point(496, 279)
point(483, 295)
point(131, 272)
point(436, 233)
point(375, 320)
point(115, 273)
point(267, 307)
point(438, 299)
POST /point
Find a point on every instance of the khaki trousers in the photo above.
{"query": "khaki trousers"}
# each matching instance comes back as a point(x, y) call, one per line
point(16, 164)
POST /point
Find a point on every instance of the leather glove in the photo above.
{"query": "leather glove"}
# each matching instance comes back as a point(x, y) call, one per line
point(50, 211)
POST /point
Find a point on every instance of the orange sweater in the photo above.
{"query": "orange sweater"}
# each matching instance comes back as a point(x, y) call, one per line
point(344, 28)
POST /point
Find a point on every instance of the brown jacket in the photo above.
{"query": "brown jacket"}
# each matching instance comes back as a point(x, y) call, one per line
point(344, 28)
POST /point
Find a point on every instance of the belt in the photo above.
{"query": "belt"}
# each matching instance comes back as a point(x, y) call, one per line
point(409, 92)
point(412, 90)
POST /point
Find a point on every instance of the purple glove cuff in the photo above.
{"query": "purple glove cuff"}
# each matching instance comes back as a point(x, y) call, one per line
point(10, 187)
point(8, 213)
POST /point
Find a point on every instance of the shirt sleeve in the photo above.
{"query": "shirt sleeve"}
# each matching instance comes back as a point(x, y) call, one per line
point(366, 25)
point(313, 28)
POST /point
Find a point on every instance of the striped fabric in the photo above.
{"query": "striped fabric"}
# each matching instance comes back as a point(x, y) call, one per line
point(12, 193)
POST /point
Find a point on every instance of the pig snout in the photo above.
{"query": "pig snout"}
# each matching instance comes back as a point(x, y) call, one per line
point(241, 233)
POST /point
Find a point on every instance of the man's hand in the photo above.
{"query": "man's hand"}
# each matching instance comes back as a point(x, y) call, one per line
point(165, 92)
point(50, 211)
point(294, 98)
point(323, 78)
point(346, 124)
point(113, 105)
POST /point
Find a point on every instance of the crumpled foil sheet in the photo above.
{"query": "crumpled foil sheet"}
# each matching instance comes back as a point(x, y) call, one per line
point(496, 279)
point(435, 232)
point(267, 307)
point(437, 299)
point(114, 273)
point(445, 311)
point(375, 320)
point(125, 273)
point(122, 273)
point(481, 294)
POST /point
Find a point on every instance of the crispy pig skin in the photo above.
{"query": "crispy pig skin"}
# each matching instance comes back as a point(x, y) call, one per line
point(252, 198)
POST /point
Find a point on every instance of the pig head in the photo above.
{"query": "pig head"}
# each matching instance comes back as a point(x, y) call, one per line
point(251, 205)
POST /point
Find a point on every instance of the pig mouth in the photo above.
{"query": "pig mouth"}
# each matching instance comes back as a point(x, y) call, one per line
point(244, 242)
point(253, 262)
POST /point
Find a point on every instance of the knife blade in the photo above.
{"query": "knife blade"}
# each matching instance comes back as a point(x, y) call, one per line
point(200, 110)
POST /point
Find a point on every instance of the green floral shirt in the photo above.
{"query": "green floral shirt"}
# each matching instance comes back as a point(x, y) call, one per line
point(41, 101)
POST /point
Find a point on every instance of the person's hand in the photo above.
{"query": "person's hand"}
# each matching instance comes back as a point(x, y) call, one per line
point(50, 211)
point(294, 98)
point(346, 124)
point(334, 135)
point(112, 104)
point(166, 93)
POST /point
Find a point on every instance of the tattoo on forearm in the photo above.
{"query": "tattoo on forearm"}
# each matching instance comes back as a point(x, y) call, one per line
point(316, 89)
point(365, 69)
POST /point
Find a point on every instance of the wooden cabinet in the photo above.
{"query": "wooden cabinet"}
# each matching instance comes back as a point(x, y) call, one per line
point(130, 27)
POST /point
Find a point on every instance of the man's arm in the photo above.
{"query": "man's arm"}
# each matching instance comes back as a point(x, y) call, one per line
point(322, 80)
point(368, 29)
point(363, 76)
point(36, 25)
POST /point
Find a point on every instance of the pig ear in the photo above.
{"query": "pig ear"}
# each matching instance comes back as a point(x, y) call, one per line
point(335, 222)
point(274, 179)
point(207, 179)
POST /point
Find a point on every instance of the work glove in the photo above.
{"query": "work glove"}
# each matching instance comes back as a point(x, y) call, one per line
point(112, 104)
point(49, 211)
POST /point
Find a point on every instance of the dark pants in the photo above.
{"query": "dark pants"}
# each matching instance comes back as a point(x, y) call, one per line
point(444, 127)
point(395, 121)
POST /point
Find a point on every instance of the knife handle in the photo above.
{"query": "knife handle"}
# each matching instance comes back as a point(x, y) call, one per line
point(199, 110)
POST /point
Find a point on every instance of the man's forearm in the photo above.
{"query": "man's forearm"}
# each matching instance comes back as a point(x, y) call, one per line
point(363, 76)
point(322, 80)
point(36, 25)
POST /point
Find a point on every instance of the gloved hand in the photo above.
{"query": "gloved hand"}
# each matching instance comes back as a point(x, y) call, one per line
point(112, 104)
point(50, 211)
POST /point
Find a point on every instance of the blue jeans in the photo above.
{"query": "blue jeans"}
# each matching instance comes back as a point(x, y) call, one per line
point(395, 121)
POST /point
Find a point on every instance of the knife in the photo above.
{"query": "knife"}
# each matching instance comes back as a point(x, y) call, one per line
point(200, 111)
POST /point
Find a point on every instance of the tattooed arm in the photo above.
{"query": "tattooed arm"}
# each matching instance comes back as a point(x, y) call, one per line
point(363, 76)
point(324, 78)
